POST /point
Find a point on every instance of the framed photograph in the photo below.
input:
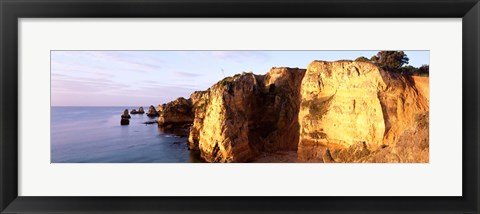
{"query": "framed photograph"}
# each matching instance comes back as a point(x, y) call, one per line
point(239, 106)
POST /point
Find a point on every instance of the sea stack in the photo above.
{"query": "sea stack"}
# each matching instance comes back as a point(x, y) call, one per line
point(125, 118)
point(152, 112)
point(140, 111)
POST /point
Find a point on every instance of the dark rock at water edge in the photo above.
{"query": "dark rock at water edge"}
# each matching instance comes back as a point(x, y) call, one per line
point(140, 111)
point(125, 114)
point(152, 112)
point(150, 122)
point(125, 118)
point(160, 108)
point(124, 121)
point(176, 113)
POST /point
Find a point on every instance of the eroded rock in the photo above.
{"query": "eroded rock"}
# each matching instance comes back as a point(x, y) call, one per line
point(152, 112)
point(140, 111)
point(125, 118)
point(351, 109)
point(124, 121)
point(125, 114)
point(177, 112)
point(245, 115)
point(341, 111)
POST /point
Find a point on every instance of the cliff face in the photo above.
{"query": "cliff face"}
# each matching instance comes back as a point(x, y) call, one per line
point(245, 115)
point(339, 107)
point(339, 111)
point(175, 112)
point(200, 101)
point(402, 101)
point(350, 110)
point(274, 123)
point(412, 145)
point(222, 123)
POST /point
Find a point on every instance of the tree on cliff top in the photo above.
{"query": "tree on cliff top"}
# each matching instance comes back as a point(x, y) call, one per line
point(424, 69)
point(390, 60)
point(396, 61)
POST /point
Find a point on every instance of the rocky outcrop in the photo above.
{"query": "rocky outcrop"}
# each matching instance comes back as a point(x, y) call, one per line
point(412, 145)
point(124, 121)
point(350, 109)
point(200, 100)
point(339, 107)
point(160, 108)
point(152, 112)
point(177, 112)
point(140, 111)
point(275, 122)
point(125, 118)
point(244, 115)
point(223, 136)
point(125, 114)
point(341, 111)
point(401, 102)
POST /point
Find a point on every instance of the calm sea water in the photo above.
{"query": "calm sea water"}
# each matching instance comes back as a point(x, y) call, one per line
point(94, 135)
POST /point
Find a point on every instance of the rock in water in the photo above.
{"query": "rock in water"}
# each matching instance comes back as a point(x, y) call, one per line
point(152, 112)
point(124, 121)
point(177, 112)
point(125, 114)
point(140, 111)
point(125, 118)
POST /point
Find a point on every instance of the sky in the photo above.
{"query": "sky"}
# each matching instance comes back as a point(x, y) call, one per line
point(143, 78)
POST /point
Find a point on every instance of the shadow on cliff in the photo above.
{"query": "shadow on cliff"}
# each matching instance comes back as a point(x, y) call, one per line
point(273, 125)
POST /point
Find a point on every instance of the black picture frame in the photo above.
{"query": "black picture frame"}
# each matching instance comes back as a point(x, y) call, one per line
point(12, 10)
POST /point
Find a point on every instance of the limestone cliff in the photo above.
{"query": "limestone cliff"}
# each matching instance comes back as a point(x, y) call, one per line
point(274, 123)
point(223, 133)
point(245, 115)
point(200, 101)
point(412, 145)
point(339, 107)
point(342, 111)
point(175, 112)
point(350, 109)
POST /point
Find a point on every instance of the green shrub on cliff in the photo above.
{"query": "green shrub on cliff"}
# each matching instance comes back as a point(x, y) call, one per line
point(390, 60)
point(396, 61)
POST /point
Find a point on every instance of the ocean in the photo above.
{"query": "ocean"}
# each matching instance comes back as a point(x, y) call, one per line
point(94, 135)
